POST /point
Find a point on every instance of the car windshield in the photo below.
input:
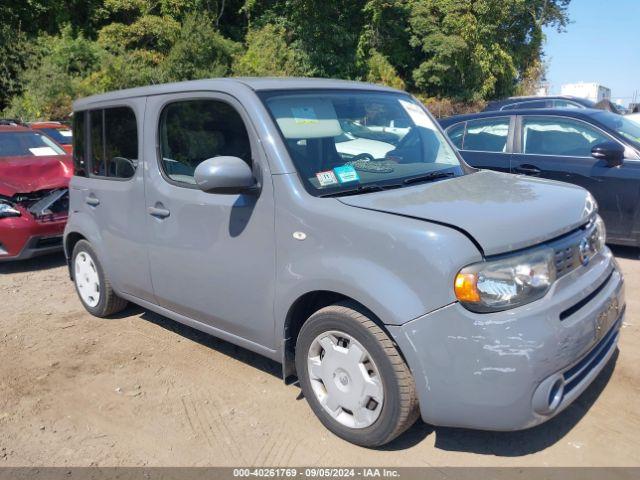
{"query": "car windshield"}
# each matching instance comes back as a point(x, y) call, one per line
point(27, 144)
point(61, 135)
point(354, 141)
point(629, 129)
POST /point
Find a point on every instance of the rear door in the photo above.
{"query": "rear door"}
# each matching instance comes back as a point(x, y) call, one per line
point(559, 148)
point(110, 191)
point(485, 142)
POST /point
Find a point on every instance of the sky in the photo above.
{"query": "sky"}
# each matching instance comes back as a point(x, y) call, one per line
point(601, 45)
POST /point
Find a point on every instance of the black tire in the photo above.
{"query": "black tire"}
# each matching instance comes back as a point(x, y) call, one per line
point(108, 303)
point(400, 406)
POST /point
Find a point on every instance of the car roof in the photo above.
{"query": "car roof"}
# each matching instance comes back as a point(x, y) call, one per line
point(255, 84)
point(559, 112)
point(13, 128)
point(52, 124)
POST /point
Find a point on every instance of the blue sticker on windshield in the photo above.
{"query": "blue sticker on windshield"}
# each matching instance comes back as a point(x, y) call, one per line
point(346, 173)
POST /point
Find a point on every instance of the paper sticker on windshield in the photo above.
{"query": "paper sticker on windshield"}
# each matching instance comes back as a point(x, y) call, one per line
point(43, 151)
point(304, 115)
point(326, 178)
point(66, 133)
point(417, 114)
point(346, 173)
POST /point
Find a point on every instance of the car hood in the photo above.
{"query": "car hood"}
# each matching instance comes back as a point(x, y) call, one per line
point(30, 174)
point(501, 212)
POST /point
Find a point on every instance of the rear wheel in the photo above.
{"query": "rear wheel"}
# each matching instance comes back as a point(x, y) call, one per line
point(353, 377)
point(93, 287)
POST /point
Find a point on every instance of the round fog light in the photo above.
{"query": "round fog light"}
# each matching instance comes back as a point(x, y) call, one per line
point(555, 394)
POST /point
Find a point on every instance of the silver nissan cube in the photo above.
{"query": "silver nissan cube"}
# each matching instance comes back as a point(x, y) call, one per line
point(332, 227)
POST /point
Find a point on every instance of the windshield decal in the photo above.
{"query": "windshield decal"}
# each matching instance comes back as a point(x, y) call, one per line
point(346, 173)
point(326, 178)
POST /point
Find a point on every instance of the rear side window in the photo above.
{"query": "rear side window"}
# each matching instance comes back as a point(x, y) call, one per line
point(193, 131)
point(79, 144)
point(487, 135)
point(113, 143)
point(456, 134)
point(559, 136)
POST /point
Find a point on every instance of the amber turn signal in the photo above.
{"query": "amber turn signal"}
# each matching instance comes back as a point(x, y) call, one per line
point(465, 287)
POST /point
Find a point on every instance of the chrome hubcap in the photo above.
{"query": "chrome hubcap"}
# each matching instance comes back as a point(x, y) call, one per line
point(345, 379)
point(87, 280)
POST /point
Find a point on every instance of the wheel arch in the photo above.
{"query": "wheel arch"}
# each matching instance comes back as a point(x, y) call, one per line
point(300, 311)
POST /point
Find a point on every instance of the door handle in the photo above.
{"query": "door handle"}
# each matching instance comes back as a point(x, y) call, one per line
point(528, 169)
point(158, 212)
point(93, 201)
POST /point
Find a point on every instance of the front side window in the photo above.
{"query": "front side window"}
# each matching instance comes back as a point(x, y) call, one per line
point(113, 142)
point(623, 126)
point(193, 131)
point(27, 144)
point(341, 141)
point(559, 136)
point(487, 135)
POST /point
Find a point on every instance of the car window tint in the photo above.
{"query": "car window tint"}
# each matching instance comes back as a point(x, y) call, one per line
point(193, 131)
point(559, 136)
point(114, 142)
point(487, 135)
point(79, 144)
point(121, 142)
point(456, 134)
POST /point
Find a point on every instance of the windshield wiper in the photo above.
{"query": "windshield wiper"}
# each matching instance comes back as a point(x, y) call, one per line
point(428, 177)
point(374, 187)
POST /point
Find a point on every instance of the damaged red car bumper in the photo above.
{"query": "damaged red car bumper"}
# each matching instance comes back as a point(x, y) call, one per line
point(27, 236)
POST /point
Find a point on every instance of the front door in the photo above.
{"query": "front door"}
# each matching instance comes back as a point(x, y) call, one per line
point(559, 148)
point(212, 256)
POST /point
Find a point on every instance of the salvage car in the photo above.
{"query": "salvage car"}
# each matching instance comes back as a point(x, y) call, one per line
point(391, 289)
point(597, 150)
point(58, 131)
point(34, 200)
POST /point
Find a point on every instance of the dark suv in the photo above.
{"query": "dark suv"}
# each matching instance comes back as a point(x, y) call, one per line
point(597, 150)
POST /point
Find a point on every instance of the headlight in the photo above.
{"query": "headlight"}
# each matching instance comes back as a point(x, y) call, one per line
point(506, 283)
point(600, 234)
point(7, 210)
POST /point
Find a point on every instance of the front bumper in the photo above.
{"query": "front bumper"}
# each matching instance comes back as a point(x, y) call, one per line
point(25, 237)
point(515, 369)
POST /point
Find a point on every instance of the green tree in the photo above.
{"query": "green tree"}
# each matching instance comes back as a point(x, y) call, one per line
point(268, 54)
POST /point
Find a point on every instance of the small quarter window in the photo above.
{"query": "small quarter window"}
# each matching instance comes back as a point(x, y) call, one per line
point(79, 144)
point(193, 131)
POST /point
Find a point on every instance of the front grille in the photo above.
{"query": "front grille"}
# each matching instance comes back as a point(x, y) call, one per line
point(579, 371)
point(568, 255)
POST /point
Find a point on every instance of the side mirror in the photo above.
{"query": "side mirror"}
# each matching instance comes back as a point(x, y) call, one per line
point(610, 152)
point(224, 175)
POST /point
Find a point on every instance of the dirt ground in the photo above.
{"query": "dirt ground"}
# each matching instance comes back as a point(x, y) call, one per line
point(140, 389)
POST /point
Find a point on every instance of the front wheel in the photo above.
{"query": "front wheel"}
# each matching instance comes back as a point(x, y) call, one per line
point(353, 377)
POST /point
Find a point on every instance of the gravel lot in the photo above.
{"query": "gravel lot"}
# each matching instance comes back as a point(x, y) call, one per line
point(140, 389)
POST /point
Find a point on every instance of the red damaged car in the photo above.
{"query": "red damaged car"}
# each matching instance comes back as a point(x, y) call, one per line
point(34, 200)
